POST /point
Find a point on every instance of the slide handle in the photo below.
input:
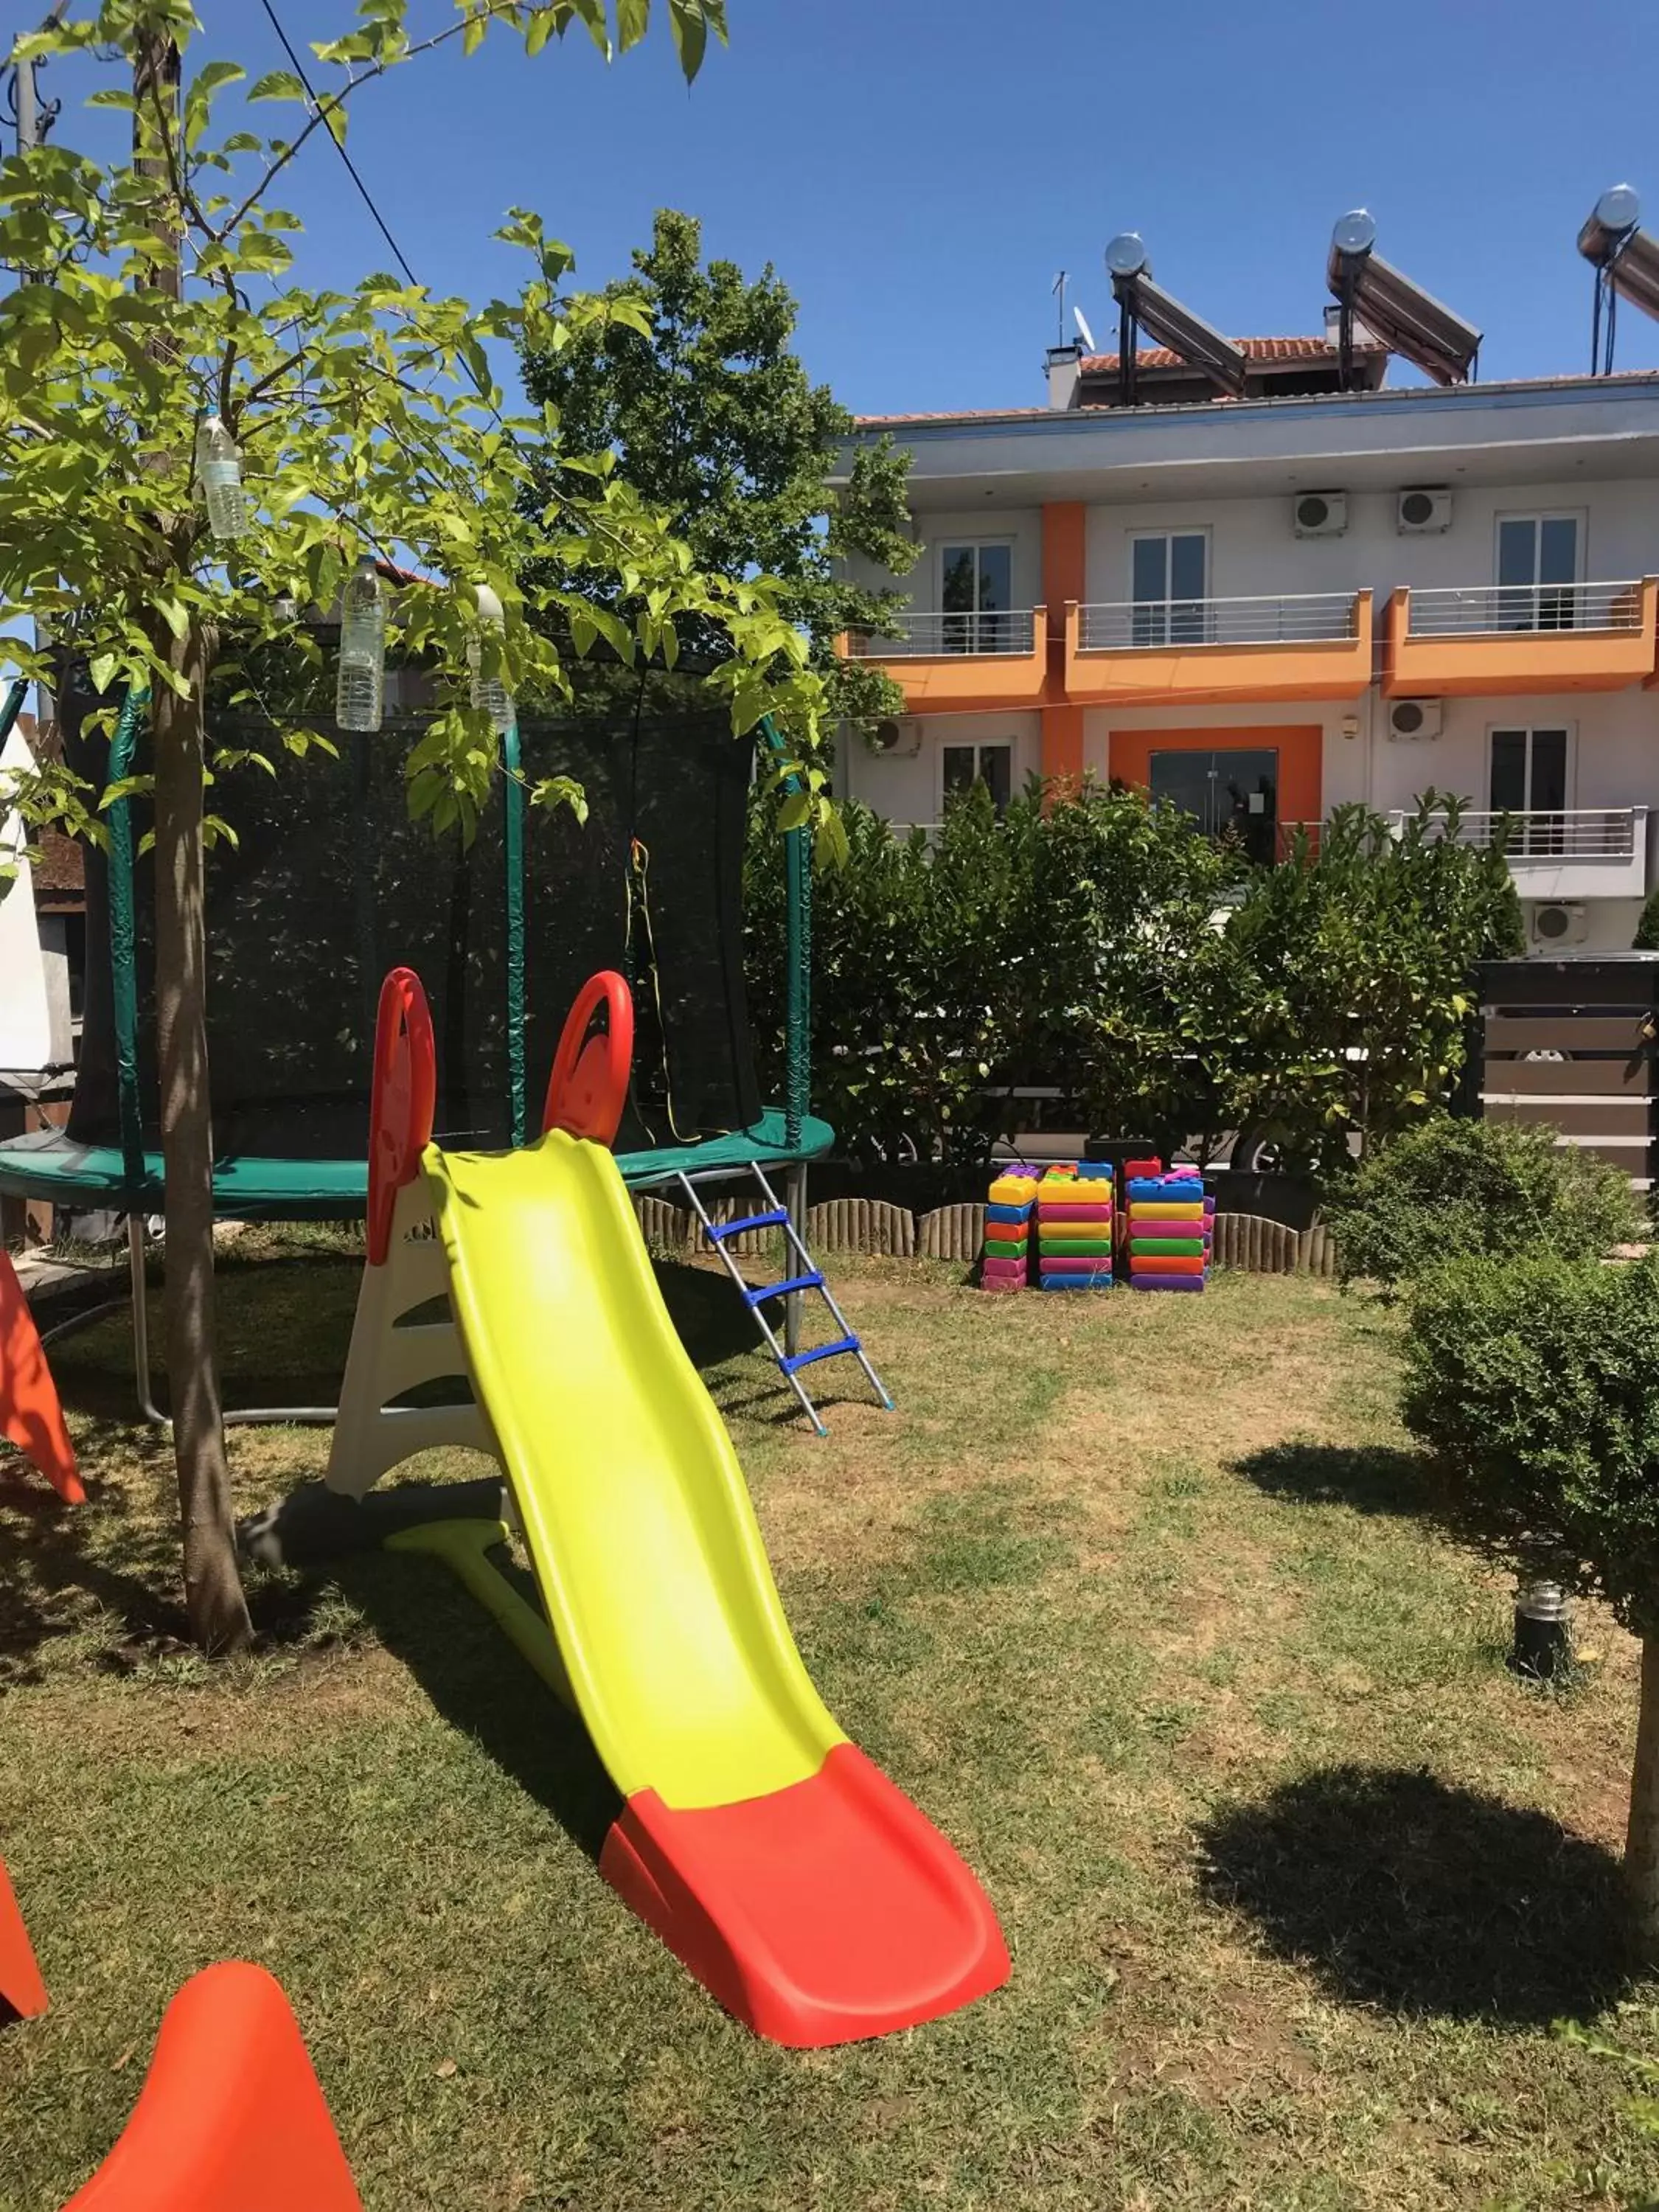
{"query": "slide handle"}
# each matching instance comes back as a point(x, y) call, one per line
point(588, 1087)
point(402, 1101)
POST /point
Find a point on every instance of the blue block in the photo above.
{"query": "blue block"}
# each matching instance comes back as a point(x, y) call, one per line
point(1015, 1213)
point(1167, 1282)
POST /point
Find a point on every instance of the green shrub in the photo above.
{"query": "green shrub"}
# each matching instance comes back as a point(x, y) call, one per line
point(1452, 1188)
point(1534, 1382)
point(1646, 939)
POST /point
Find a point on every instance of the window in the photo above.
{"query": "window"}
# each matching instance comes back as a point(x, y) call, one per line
point(1232, 792)
point(992, 764)
point(1537, 565)
point(1166, 582)
point(976, 589)
point(1529, 779)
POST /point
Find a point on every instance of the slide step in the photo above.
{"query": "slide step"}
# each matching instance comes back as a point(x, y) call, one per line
point(720, 1230)
point(762, 1291)
point(819, 1351)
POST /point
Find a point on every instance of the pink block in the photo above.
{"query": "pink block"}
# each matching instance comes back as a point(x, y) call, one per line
point(1049, 1265)
point(1002, 1273)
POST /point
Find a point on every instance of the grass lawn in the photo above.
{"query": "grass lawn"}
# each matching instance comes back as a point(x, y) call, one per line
point(1134, 1595)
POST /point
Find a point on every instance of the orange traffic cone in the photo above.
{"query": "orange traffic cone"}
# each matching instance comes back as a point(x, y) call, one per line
point(29, 1411)
point(230, 2118)
point(22, 1992)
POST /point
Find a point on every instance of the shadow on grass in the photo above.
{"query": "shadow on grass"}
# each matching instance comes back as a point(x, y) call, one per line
point(1371, 1478)
point(1400, 1891)
point(480, 1685)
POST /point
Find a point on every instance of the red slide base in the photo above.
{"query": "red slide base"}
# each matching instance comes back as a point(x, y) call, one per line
point(22, 1992)
point(29, 1411)
point(823, 1913)
point(230, 2118)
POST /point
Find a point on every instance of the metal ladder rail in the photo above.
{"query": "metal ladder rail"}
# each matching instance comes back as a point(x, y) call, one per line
point(808, 1277)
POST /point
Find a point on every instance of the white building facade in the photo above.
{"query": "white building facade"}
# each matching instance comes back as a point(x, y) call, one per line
point(1261, 608)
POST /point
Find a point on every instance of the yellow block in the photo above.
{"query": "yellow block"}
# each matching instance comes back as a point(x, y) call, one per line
point(1163, 1209)
point(638, 1522)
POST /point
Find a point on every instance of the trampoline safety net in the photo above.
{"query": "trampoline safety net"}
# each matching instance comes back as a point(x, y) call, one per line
point(330, 885)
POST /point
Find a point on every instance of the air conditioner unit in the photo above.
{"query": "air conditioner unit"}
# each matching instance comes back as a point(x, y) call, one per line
point(1556, 924)
point(1320, 513)
point(1423, 510)
point(900, 738)
point(1415, 718)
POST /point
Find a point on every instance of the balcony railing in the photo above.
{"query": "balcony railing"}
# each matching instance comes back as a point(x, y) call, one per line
point(1127, 626)
point(1492, 610)
point(1595, 833)
point(988, 630)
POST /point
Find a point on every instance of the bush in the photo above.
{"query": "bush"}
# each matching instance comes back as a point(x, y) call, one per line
point(1535, 1381)
point(1095, 941)
point(1452, 1188)
point(1646, 939)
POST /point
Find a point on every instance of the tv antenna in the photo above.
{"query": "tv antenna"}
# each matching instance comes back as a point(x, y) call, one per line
point(1058, 288)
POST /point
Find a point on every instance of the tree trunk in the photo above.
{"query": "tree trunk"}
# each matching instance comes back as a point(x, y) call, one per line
point(1642, 1840)
point(213, 1586)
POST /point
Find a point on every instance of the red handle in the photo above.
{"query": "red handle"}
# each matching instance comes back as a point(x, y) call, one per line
point(588, 1087)
point(401, 1102)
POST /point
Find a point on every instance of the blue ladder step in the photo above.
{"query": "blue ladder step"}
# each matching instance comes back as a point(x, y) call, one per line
point(762, 1291)
point(720, 1230)
point(819, 1351)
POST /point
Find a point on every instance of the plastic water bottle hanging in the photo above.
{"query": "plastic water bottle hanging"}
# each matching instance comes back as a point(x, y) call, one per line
point(359, 690)
point(489, 693)
point(218, 472)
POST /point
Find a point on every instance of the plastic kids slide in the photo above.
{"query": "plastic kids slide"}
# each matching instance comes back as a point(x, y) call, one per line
point(791, 1877)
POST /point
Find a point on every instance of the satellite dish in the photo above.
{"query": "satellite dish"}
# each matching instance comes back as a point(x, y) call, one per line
point(1127, 255)
point(1084, 331)
point(1355, 232)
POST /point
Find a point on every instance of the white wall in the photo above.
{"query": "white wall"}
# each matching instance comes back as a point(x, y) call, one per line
point(25, 1014)
point(1613, 754)
point(910, 788)
point(1255, 552)
point(1019, 527)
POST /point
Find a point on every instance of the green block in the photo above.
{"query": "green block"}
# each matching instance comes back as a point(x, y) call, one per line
point(1166, 1248)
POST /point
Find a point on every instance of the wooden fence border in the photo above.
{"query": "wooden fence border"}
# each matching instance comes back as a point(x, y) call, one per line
point(873, 1227)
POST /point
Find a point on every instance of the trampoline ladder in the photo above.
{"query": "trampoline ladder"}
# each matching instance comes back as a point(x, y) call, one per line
point(802, 1274)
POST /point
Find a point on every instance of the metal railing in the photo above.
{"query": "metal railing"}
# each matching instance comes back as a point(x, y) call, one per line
point(988, 630)
point(1594, 833)
point(1130, 625)
point(1495, 608)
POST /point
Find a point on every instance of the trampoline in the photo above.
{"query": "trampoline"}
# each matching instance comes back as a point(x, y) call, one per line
point(330, 883)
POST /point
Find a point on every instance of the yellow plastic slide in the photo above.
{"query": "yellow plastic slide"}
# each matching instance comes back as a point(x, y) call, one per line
point(638, 1520)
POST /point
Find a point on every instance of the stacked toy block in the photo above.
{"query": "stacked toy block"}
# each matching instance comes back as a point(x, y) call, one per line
point(1005, 1264)
point(1074, 1228)
point(1171, 1227)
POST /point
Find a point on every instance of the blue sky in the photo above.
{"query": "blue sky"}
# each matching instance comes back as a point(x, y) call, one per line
point(918, 170)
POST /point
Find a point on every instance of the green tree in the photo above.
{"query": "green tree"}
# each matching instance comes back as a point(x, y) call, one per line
point(710, 416)
point(1534, 1381)
point(1339, 1011)
point(164, 289)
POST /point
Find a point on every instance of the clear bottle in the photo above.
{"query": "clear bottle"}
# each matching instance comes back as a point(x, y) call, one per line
point(360, 690)
point(219, 470)
point(489, 692)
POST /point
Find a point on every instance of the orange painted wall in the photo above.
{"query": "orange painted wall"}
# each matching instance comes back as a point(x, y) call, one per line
point(1064, 523)
point(1299, 746)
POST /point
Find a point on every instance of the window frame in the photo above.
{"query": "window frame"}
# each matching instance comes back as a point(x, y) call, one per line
point(1166, 534)
point(1570, 781)
point(978, 746)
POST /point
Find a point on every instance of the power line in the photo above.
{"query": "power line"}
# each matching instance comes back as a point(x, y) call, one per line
point(367, 197)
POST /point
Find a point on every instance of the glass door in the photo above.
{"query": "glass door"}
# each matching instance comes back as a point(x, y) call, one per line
point(1537, 557)
point(976, 595)
point(1529, 779)
point(1231, 792)
point(1166, 583)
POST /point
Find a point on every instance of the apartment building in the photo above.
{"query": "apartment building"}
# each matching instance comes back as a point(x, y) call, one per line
point(1259, 606)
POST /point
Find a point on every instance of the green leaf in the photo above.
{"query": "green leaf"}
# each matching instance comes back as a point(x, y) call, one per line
point(280, 84)
point(100, 670)
point(632, 18)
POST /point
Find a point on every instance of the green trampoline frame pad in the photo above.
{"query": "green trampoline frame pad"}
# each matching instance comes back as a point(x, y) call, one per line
point(46, 1166)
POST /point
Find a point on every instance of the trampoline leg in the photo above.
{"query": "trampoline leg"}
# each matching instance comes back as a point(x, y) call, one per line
point(147, 1405)
point(795, 1200)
